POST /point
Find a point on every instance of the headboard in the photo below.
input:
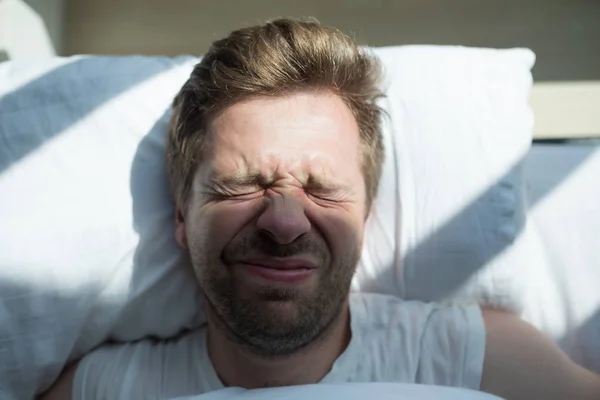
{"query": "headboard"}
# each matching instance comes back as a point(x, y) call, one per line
point(566, 110)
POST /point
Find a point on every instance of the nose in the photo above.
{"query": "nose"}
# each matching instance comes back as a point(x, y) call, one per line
point(283, 219)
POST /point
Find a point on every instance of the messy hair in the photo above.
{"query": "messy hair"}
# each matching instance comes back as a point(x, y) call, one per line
point(280, 57)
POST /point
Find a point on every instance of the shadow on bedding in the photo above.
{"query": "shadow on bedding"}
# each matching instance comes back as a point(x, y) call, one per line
point(48, 105)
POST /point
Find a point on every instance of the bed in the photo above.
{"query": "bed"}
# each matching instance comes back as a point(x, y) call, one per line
point(560, 292)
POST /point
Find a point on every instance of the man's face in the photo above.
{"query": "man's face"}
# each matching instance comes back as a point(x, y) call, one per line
point(275, 219)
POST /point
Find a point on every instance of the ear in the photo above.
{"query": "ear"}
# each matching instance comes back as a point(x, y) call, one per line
point(180, 232)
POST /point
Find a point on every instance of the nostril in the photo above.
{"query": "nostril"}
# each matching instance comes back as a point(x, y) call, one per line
point(267, 235)
point(283, 220)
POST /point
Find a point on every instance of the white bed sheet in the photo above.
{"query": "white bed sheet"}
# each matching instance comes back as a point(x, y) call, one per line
point(564, 291)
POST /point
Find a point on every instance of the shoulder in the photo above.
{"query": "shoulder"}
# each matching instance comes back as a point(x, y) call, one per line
point(377, 311)
point(62, 388)
point(373, 308)
point(522, 363)
point(453, 346)
point(136, 370)
point(429, 343)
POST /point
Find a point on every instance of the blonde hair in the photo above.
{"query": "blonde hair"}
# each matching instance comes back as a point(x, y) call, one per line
point(280, 57)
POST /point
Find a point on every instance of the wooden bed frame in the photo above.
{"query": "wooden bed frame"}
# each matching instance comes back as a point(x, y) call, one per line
point(566, 110)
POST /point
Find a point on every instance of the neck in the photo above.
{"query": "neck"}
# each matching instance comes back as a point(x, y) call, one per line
point(236, 365)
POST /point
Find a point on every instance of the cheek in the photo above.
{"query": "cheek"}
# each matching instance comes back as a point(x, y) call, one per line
point(341, 228)
point(215, 225)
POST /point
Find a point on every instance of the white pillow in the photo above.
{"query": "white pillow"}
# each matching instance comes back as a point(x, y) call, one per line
point(348, 391)
point(449, 223)
point(87, 222)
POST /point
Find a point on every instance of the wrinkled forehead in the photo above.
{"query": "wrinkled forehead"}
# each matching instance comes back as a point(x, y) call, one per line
point(310, 134)
point(275, 172)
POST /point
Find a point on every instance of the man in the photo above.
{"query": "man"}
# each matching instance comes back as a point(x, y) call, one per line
point(274, 156)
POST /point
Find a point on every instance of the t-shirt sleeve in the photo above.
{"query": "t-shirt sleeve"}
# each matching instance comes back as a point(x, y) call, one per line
point(103, 373)
point(452, 347)
point(146, 369)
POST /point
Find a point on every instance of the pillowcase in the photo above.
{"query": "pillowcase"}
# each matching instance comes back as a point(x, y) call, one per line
point(450, 223)
point(87, 221)
point(87, 240)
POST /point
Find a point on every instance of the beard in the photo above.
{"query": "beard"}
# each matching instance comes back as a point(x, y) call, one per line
point(268, 318)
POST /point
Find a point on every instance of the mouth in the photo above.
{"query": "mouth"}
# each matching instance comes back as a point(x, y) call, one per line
point(280, 270)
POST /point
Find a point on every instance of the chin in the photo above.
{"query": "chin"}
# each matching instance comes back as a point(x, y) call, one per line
point(281, 304)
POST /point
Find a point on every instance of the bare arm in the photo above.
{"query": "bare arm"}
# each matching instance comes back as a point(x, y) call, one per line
point(521, 363)
point(62, 388)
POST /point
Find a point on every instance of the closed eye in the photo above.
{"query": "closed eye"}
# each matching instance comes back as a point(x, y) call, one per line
point(238, 196)
point(329, 192)
point(327, 197)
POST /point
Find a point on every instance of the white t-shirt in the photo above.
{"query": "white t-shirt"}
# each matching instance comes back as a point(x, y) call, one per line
point(392, 341)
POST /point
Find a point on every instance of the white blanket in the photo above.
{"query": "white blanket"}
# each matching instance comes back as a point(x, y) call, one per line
point(349, 391)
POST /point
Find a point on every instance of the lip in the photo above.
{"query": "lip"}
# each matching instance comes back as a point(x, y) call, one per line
point(280, 270)
point(281, 263)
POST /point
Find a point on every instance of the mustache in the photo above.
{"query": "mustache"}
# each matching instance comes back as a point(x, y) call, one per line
point(261, 243)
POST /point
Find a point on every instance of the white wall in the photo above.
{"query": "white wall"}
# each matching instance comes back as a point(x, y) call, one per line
point(31, 28)
point(53, 14)
point(565, 34)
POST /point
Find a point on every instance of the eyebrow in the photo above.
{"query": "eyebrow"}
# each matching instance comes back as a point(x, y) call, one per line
point(317, 183)
point(236, 180)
